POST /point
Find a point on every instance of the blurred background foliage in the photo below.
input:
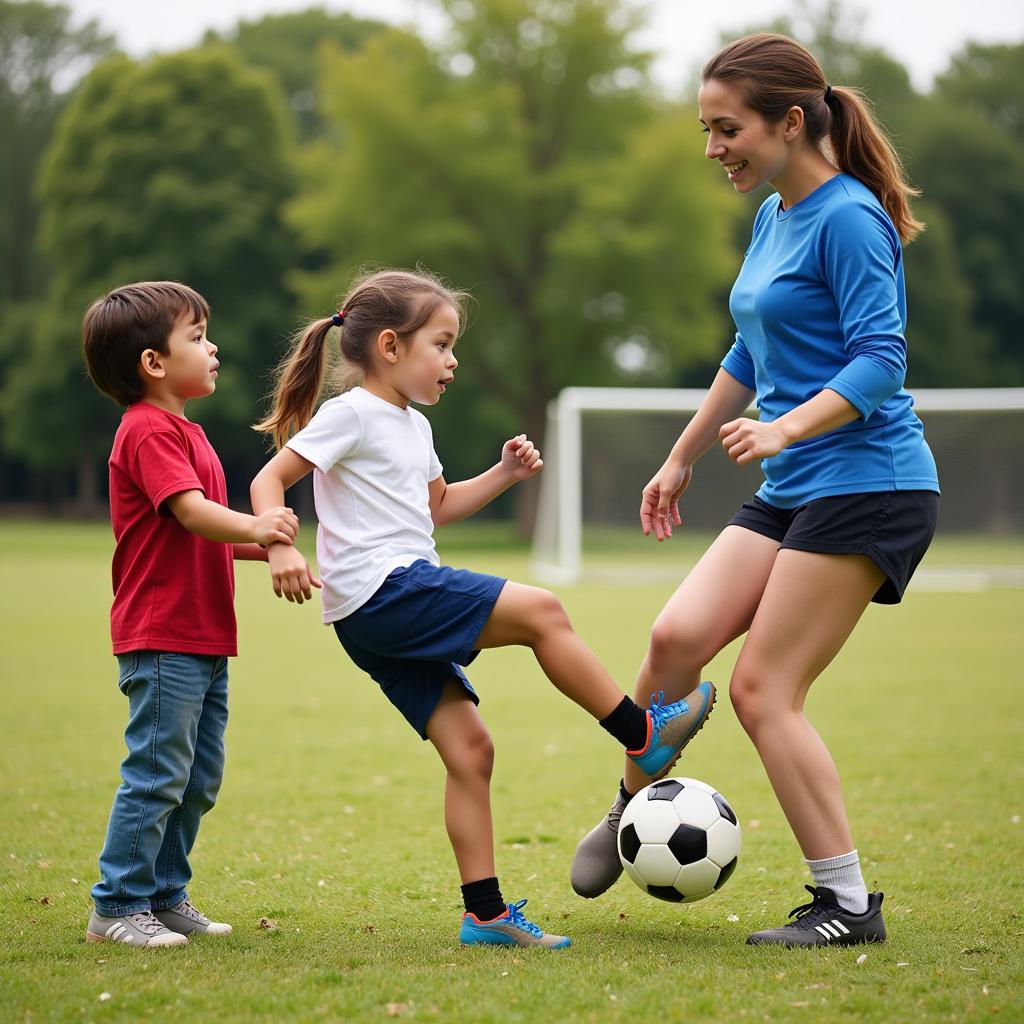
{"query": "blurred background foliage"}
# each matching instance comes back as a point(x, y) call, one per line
point(528, 157)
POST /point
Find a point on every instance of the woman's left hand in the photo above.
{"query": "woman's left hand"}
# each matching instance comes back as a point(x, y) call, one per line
point(519, 458)
point(745, 440)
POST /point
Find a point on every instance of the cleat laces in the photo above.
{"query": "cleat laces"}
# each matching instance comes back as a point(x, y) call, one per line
point(810, 913)
point(660, 712)
point(517, 918)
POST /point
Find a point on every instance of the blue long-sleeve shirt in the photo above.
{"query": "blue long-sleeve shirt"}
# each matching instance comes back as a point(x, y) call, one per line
point(820, 303)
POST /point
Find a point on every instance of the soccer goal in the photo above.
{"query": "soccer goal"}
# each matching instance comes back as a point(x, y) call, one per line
point(602, 445)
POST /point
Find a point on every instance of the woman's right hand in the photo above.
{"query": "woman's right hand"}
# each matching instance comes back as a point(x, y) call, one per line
point(659, 507)
point(292, 576)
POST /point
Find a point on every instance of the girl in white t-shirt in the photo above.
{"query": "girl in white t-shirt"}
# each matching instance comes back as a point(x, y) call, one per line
point(406, 620)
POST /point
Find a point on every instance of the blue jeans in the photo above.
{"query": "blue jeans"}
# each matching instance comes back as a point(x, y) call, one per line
point(178, 711)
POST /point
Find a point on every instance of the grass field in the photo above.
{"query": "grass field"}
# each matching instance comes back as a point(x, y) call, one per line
point(329, 824)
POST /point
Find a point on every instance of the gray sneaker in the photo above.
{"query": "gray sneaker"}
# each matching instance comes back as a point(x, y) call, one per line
point(185, 919)
point(141, 929)
point(596, 865)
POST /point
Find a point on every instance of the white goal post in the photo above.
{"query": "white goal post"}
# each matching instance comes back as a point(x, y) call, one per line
point(558, 537)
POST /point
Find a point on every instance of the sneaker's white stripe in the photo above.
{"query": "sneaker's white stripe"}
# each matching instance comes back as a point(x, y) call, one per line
point(115, 930)
point(839, 924)
point(834, 932)
point(827, 934)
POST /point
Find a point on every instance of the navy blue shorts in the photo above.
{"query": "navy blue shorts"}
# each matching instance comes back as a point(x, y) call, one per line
point(892, 528)
point(416, 631)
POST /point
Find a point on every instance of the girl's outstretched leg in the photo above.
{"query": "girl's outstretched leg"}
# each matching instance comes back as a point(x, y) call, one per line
point(531, 617)
point(464, 744)
point(534, 618)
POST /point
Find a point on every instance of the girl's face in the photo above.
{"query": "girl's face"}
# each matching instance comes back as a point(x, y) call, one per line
point(425, 364)
point(752, 152)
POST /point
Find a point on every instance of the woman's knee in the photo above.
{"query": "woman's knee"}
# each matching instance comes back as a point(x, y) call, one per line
point(676, 647)
point(758, 697)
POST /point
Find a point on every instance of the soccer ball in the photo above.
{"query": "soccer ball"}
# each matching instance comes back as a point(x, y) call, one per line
point(679, 840)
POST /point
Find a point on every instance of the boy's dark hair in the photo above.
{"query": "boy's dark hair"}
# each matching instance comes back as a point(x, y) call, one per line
point(118, 328)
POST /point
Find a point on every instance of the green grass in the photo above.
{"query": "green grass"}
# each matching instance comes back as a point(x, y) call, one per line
point(330, 822)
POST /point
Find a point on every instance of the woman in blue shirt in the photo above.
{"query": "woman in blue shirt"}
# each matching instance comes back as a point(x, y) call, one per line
point(850, 497)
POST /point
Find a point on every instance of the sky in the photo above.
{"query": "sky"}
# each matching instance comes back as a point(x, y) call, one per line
point(921, 34)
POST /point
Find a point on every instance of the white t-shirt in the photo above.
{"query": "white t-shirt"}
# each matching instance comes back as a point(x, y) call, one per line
point(373, 463)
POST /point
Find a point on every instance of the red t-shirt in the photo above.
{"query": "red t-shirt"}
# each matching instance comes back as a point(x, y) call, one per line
point(173, 590)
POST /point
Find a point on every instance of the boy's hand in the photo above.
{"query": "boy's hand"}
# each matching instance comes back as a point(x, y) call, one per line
point(275, 526)
point(291, 574)
point(519, 458)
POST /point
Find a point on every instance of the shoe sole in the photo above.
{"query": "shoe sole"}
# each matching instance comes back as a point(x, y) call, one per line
point(846, 943)
point(93, 937)
point(679, 753)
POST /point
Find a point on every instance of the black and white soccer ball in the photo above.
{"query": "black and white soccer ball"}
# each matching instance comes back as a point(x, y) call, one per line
point(679, 840)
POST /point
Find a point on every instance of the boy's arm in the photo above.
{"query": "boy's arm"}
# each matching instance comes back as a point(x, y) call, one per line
point(248, 553)
point(290, 572)
point(450, 503)
point(199, 515)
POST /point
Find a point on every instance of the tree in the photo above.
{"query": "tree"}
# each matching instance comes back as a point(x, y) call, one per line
point(970, 158)
point(531, 163)
point(174, 168)
point(41, 57)
point(287, 46)
point(989, 81)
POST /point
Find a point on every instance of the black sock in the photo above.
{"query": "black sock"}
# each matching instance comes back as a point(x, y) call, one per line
point(483, 898)
point(625, 793)
point(628, 724)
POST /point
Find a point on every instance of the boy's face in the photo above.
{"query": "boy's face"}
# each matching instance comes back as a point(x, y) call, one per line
point(188, 370)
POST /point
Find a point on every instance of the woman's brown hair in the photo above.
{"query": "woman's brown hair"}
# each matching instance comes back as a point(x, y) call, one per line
point(776, 73)
point(398, 300)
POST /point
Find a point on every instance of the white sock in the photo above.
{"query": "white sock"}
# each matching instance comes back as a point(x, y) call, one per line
point(842, 875)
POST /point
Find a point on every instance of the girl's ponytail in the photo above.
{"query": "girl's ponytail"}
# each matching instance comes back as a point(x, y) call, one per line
point(862, 150)
point(300, 379)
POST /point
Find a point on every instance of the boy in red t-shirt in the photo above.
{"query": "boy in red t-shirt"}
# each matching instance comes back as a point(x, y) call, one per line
point(173, 619)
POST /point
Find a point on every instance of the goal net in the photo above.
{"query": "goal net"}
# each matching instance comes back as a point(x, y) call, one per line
point(602, 445)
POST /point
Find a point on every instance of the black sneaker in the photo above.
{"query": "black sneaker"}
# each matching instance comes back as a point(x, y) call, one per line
point(823, 922)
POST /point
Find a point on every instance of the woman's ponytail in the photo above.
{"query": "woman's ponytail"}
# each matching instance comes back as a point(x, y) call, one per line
point(862, 150)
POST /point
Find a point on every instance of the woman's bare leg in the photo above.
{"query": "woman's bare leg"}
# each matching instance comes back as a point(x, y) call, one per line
point(710, 608)
point(809, 608)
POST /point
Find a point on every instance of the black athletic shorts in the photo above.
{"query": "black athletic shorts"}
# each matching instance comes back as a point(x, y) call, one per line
point(893, 528)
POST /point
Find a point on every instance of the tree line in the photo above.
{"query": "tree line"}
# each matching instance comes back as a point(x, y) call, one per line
point(527, 157)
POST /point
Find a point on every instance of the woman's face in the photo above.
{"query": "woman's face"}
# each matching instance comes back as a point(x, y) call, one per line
point(751, 151)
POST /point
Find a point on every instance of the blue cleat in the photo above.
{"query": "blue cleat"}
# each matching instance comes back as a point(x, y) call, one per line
point(670, 727)
point(508, 929)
